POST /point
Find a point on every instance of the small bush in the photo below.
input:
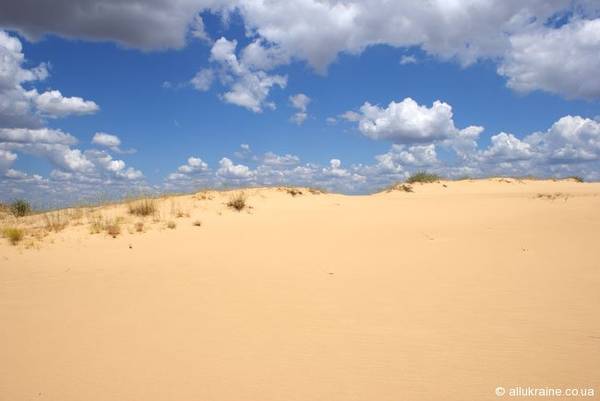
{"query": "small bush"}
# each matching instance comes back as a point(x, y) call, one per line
point(13, 234)
point(400, 187)
point(576, 178)
point(171, 225)
point(197, 223)
point(113, 229)
point(20, 208)
point(144, 207)
point(423, 177)
point(237, 202)
point(294, 191)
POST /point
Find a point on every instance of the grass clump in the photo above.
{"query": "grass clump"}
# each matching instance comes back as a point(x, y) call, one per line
point(20, 208)
point(171, 225)
point(294, 191)
point(400, 187)
point(144, 207)
point(96, 224)
point(197, 223)
point(237, 202)
point(55, 221)
point(576, 178)
point(13, 234)
point(113, 228)
point(423, 177)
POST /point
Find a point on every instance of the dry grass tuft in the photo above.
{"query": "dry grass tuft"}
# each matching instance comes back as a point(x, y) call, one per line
point(197, 223)
point(56, 220)
point(143, 207)
point(171, 225)
point(13, 234)
point(400, 187)
point(96, 224)
point(237, 202)
point(113, 228)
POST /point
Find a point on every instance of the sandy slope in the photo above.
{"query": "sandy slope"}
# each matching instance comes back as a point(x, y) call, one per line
point(441, 294)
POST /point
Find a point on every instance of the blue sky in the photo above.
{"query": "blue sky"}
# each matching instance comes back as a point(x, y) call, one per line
point(476, 88)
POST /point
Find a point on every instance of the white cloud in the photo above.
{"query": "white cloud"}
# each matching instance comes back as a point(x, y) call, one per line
point(110, 141)
point(6, 159)
point(408, 59)
point(507, 148)
point(300, 102)
point(405, 121)
point(565, 61)
point(229, 170)
point(259, 56)
point(275, 160)
point(27, 108)
point(247, 86)
point(570, 139)
point(194, 165)
point(335, 169)
point(464, 142)
point(54, 104)
point(40, 135)
point(198, 30)
point(203, 79)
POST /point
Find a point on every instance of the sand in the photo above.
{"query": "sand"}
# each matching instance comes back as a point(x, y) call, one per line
point(444, 293)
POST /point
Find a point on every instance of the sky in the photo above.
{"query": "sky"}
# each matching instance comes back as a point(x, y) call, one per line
point(101, 99)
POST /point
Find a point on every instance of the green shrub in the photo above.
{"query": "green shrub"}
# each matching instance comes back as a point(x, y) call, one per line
point(576, 178)
point(423, 177)
point(20, 208)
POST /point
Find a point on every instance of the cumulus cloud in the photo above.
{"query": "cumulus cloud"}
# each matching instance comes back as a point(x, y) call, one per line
point(203, 79)
point(110, 141)
point(564, 60)
point(194, 165)
point(235, 172)
point(27, 108)
point(406, 121)
point(300, 102)
point(54, 104)
point(247, 86)
point(40, 135)
point(570, 139)
point(104, 139)
point(507, 148)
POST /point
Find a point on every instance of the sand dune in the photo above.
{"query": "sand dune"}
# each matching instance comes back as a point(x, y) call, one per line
point(443, 293)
